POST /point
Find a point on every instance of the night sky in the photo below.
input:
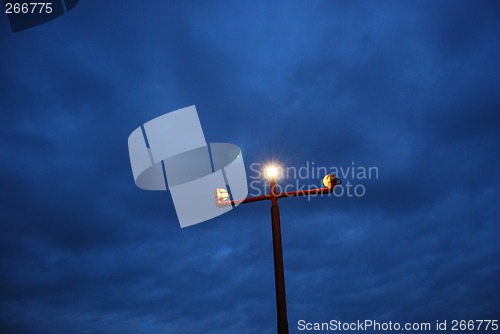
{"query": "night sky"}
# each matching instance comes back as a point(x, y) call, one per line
point(410, 87)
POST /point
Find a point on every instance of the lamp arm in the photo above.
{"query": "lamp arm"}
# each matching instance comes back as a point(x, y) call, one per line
point(320, 191)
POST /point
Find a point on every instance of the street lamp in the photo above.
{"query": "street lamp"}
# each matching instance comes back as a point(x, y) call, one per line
point(272, 172)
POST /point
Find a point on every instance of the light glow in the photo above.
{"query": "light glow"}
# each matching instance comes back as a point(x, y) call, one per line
point(328, 179)
point(272, 172)
point(221, 194)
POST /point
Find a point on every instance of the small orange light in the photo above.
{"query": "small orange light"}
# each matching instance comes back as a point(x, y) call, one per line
point(221, 194)
point(328, 180)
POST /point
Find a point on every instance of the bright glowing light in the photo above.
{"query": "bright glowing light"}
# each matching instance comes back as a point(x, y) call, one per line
point(328, 179)
point(272, 172)
point(221, 194)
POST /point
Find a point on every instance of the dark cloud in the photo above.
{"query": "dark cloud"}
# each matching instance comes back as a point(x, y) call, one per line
point(410, 88)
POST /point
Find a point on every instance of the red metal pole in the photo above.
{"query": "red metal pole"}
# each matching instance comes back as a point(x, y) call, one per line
point(279, 272)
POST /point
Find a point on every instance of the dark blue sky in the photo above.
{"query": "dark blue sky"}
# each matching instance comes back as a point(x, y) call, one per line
point(411, 87)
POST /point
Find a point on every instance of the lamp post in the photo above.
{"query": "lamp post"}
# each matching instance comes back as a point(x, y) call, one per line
point(272, 172)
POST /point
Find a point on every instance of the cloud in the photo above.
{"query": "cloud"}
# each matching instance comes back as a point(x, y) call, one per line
point(408, 88)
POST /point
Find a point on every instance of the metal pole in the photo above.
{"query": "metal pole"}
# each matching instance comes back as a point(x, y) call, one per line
point(279, 272)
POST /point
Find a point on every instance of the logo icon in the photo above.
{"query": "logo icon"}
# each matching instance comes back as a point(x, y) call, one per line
point(170, 152)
